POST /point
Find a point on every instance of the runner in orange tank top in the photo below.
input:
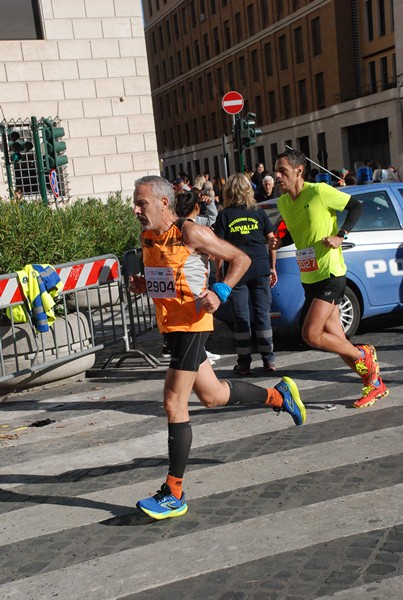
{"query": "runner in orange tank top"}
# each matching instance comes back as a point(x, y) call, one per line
point(175, 276)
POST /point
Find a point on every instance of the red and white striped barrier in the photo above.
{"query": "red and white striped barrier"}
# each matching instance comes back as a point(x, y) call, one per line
point(78, 275)
point(86, 274)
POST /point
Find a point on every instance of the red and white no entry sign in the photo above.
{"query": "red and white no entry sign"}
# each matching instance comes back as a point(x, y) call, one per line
point(232, 103)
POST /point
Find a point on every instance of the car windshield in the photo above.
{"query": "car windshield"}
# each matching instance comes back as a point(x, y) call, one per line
point(377, 213)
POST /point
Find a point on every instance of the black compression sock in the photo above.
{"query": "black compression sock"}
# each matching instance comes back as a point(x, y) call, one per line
point(179, 444)
point(242, 392)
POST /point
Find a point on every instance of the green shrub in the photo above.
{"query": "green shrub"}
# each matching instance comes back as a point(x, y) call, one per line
point(31, 232)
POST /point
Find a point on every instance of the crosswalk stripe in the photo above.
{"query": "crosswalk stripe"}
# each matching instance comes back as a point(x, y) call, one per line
point(132, 571)
point(39, 520)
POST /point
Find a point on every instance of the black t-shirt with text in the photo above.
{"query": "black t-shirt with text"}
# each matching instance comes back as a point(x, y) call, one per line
point(247, 230)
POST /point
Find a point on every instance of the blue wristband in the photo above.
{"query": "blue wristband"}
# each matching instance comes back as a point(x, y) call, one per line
point(222, 290)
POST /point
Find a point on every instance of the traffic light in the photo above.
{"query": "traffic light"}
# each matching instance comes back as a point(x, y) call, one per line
point(249, 131)
point(53, 145)
point(17, 146)
point(236, 134)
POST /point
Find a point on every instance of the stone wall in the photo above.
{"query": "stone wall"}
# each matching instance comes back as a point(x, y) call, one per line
point(90, 71)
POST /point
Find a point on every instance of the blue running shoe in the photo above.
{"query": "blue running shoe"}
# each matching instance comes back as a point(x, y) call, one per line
point(292, 401)
point(163, 505)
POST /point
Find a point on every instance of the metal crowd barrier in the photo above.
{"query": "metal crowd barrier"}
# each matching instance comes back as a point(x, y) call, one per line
point(91, 315)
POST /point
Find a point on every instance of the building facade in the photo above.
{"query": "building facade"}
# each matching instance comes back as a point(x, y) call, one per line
point(322, 76)
point(83, 63)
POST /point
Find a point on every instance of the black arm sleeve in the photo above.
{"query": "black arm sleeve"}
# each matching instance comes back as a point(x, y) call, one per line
point(354, 208)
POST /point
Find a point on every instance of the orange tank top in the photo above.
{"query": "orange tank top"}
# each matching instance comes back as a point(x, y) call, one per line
point(175, 278)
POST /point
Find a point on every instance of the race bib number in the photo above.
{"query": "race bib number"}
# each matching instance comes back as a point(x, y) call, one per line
point(306, 259)
point(160, 282)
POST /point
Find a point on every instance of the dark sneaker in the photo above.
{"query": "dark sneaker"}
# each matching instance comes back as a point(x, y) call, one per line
point(163, 505)
point(367, 366)
point(292, 402)
point(269, 365)
point(242, 372)
point(370, 394)
point(166, 352)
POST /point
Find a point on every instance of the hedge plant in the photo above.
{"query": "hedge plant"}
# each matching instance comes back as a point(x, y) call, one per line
point(31, 232)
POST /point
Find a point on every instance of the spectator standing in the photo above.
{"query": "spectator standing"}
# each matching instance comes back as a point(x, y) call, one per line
point(246, 226)
point(257, 177)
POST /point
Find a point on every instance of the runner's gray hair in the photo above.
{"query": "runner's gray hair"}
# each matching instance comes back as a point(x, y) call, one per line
point(160, 187)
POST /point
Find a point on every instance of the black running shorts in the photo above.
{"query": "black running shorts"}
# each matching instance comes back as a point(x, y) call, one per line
point(187, 349)
point(330, 290)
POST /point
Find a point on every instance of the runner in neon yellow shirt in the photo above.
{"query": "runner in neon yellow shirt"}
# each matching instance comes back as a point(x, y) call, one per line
point(309, 211)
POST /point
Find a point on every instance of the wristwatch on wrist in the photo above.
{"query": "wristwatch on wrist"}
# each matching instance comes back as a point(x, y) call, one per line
point(342, 233)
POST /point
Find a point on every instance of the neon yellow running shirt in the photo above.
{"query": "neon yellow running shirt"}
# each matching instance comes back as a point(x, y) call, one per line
point(309, 218)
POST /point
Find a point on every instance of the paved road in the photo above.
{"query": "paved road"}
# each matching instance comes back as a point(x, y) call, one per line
point(275, 511)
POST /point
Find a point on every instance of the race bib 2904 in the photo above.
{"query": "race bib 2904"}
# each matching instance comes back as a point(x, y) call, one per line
point(160, 282)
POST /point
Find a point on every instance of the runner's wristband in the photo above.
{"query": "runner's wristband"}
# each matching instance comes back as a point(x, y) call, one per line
point(222, 290)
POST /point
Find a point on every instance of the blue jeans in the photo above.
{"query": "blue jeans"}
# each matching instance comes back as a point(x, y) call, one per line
point(253, 296)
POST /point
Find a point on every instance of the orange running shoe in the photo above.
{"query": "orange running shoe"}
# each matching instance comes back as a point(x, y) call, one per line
point(370, 394)
point(367, 366)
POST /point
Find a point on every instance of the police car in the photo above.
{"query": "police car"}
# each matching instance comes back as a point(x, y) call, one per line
point(373, 253)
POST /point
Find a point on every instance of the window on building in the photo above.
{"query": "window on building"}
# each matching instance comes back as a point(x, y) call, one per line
point(210, 85)
point(161, 107)
point(195, 132)
point(383, 63)
point(168, 105)
point(238, 27)
point(299, 45)
point(161, 37)
point(184, 20)
point(315, 35)
point(202, 5)
point(258, 110)
point(271, 96)
point(254, 65)
point(200, 90)
point(153, 42)
point(250, 17)
point(264, 13)
point(150, 8)
point(168, 32)
point(391, 15)
point(171, 67)
point(369, 20)
point(282, 52)
point(320, 90)
point(242, 70)
point(381, 18)
point(268, 59)
point(197, 53)
point(176, 24)
point(180, 63)
point(286, 101)
point(216, 41)
point(296, 4)
point(213, 123)
point(20, 20)
point(220, 81)
point(206, 47)
point(157, 4)
point(183, 98)
point(164, 70)
point(193, 13)
point(205, 136)
point(224, 2)
point(372, 76)
point(230, 75)
point(302, 98)
point(187, 134)
point(274, 153)
point(227, 35)
point(213, 8)
point(175, 102)
point(157, 75)
point(188, 59)
point(279, 9)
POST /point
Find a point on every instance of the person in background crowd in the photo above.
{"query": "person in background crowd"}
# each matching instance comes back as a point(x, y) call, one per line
point(309, 211)
point(175, 254)
point(246, 226)
point(267, 191)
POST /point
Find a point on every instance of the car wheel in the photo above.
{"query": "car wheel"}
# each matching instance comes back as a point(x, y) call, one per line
point(350, 312)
